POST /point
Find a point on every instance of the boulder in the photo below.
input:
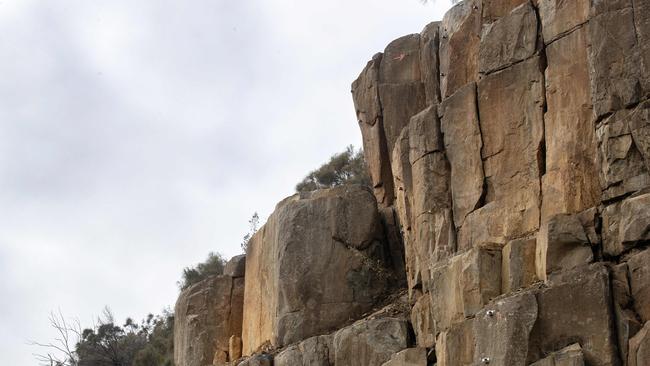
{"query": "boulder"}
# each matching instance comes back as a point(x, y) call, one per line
point(206, 315)
point(258, 360)
point(571, 182)
point(320, 260)
point(315, 351)
point(518, 264)
point(576, 307)
point(462, 139)
point(459, 46)
point(568, 356)
point(370, 342)
point(508, 40)
point(639, 353)
point(562, 244)
point(236, 266)
point(639, 277)
point(409, 357)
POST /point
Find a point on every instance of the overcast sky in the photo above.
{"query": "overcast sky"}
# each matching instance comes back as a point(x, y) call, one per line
point(137, 136)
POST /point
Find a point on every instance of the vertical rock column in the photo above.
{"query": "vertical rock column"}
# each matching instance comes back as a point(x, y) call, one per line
point(207, 315)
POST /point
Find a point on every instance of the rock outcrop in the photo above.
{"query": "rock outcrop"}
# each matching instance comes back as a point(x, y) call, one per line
point(509, 151)
point(208, 319)
point(319, 261)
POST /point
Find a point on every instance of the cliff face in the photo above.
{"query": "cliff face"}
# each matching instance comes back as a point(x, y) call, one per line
point(509, 150)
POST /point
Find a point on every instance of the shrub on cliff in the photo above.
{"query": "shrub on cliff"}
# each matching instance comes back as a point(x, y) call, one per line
point(348, 167)
point(213, 265)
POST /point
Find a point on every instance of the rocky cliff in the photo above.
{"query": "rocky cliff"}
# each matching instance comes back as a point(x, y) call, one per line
point(509, 218)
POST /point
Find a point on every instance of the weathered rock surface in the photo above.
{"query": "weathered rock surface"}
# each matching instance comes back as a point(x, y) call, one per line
point(576, 307)
point(626, 224)
point(570, 184)
point(508, 40)
point(568, 356)
point(639, 277)
point(639, 354)
point(370, 342)
point(463, 143)
point(316, 263)
point(518, 265)
point(315, 351)
point(502, 330)
point(206, 315)
point(461, 286)
point(562, 244)
point(409, 357)
point(459, 46)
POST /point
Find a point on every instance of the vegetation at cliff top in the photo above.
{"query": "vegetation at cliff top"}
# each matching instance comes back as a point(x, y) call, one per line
point(348, 167)
point(213, 265)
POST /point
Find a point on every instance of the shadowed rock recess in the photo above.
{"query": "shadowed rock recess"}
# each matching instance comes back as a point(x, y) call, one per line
point(509, 218)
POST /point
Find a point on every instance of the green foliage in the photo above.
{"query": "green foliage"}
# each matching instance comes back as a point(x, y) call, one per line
point(348, 167)
point(149, 343)
point(213, 265)
point(253, 223)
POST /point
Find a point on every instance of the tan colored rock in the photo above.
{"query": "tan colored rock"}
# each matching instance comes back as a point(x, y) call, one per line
point(462, 138)
point(236, 266)
point(562, 244)
point(512, 135)
point(258, 360)
point(511, 39)
point(518, 265)
point(639, 272)
point(502, 330)
point(403, 184)
point(626, 224)
point(429, 61)
point(615, 81)
point(640, 128)
point(642, 28)
point(639, 354)
point(391, 226)
point(627, 324)
point(483, 228)
point(622, 166)
point(365, 93)
point(315, 351)
point(576, 307)
point(409, 357)
point(559, 17)
point(206, 315)
point(370, 342)
point(234, 348)
point(459, 46)
point(462, 285)
point(568, 356)
point(571, 181)
point(455, 346)
point(423, 323)
point(495, 9)
point(309, 266)
point(401, 90)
